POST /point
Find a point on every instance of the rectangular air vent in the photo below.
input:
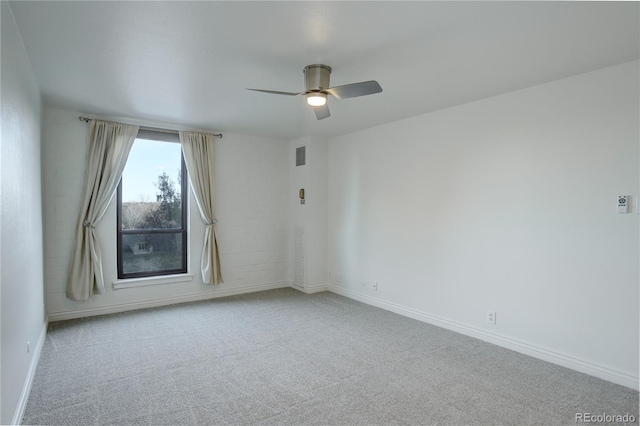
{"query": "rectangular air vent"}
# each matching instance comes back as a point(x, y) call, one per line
point(301, 156)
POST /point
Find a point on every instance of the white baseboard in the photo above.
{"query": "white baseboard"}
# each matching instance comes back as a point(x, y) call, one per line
point(26, 389)
point(310, 289)
point(123, 307)
point(587, 367)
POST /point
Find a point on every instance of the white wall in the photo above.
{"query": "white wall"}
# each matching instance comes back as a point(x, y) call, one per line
point(251, 193)
point(311, 216)
point(505, 204)
point(21, 249)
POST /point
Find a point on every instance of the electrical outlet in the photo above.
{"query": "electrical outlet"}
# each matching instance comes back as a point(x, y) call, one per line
point(364, 283)
point(375, 285)
point(329, 274)
point(340, 277)
point(491, 317)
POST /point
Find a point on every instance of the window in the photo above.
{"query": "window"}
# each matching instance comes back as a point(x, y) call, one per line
point(152, 208)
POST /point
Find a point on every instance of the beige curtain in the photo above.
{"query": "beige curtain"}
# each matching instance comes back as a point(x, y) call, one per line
point(109, 146)
point(197, 149)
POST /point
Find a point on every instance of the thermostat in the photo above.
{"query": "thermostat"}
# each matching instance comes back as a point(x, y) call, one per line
point(623, 204)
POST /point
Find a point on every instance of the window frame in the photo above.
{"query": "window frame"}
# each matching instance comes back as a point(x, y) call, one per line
point(154, 231)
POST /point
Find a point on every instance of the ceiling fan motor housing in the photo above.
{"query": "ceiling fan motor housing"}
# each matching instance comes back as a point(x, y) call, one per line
point(316, 77)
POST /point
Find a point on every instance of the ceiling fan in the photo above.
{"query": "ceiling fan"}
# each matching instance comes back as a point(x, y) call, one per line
point(316, 80)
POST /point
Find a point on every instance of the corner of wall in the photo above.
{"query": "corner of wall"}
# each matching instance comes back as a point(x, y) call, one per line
point(309, 218)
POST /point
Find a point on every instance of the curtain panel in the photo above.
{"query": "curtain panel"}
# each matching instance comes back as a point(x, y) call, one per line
point(109, 146)
point(197, 149)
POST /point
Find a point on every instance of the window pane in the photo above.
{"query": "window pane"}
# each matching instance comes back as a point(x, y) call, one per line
point(151, 232)
point(151, 252)
point(151, 186)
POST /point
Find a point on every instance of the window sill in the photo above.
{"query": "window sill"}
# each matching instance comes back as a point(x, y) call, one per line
point(142, 282)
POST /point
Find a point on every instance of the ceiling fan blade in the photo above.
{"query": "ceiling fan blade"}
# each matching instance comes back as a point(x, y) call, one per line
point(322, 111)
point(355, 89)
point(275, 92)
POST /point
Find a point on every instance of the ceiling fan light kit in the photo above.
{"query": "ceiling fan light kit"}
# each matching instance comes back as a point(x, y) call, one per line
point(316, 99)
point(316, 81)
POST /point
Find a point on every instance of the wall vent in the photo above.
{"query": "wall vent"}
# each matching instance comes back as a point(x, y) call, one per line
point(301, 155)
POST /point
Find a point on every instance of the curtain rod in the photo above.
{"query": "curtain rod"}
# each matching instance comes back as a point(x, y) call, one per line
point(155, 129)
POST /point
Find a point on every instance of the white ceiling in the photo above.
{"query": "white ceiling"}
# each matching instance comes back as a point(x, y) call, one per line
point(189, 62)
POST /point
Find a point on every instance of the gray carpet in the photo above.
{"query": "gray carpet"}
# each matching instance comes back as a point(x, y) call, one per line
point(283, 357)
